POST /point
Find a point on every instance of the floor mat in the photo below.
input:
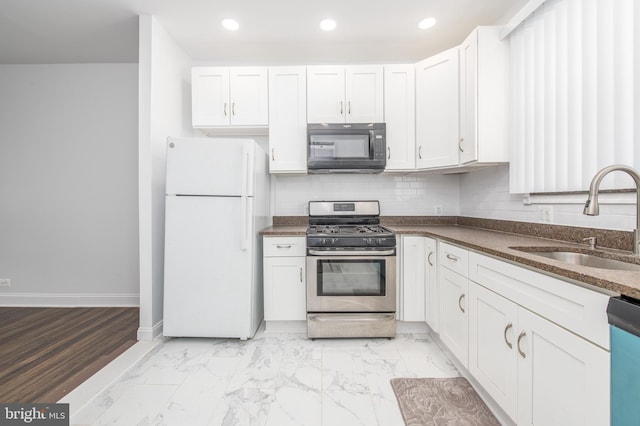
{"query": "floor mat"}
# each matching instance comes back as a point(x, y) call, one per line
point(450, 401)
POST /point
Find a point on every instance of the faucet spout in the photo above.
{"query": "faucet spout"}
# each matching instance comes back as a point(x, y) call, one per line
point(592, 208)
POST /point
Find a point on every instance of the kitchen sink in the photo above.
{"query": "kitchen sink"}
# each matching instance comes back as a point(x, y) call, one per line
point(582, 259)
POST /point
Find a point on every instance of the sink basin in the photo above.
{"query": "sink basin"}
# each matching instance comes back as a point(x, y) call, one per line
point(583, 259)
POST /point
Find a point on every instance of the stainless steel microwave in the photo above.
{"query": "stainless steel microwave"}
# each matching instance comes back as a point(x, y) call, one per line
point(346, 148)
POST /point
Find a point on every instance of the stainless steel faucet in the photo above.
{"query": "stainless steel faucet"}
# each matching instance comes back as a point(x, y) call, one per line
point(592, 208)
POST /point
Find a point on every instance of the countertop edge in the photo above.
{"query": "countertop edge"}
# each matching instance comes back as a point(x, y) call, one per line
point(595, 282)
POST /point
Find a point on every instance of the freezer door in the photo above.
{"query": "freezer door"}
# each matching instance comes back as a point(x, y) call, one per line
point(210, 166)
point(208, 283)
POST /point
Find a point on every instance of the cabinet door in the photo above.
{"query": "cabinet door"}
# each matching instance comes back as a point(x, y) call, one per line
point(468, 97)
point(562, 378)
point(287, 120)
point(400, 116)
point(364, 94)
point(454, 326)
point(413, 278)
point(493, 360)
point(284, 289)
point(431, 284)
point(325, 94)
point(437, 110)
point(210, 96)
point(249, 101)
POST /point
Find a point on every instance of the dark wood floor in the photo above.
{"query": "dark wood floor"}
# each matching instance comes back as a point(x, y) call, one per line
point(47, 352)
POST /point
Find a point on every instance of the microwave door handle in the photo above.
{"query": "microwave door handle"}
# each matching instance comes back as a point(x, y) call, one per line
point(372, 143)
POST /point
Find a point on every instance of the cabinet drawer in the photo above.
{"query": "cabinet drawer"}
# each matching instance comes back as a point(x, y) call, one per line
point(575, 308)
point(284, 246)
point(453, 258)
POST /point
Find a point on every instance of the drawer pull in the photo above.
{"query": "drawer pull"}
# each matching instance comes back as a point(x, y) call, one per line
point(429, 258)
point(522, 334)
point(284, 246)
point(506, 329)
point(452, 257)
point(460, 302)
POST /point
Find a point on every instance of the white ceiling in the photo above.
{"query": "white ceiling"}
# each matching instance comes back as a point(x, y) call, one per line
point(271, 31)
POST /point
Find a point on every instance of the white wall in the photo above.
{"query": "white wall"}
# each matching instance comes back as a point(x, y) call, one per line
point(485, 193)
point(408, 195)
point(68, 194)
point(164, 110)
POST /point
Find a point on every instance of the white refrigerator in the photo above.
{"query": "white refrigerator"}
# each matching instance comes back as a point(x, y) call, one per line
point(217, 201)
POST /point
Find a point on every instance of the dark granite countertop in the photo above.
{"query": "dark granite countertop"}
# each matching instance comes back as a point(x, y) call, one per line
point(497, 243)
point(284, 230)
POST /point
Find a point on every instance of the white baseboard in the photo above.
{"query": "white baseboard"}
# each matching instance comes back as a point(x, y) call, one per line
point(150, 333)
point(404, 327)
point(53, 300)
point(297, 327)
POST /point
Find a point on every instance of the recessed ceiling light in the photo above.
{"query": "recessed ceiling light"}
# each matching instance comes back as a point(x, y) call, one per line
point(230, 24)
point(426, 23)
point(328, 24)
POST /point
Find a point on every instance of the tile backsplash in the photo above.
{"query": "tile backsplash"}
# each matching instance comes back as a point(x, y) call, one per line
point(483, 193)
point(399, 195)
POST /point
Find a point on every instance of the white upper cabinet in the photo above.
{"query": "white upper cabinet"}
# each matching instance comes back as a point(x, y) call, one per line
point(338, 94)
point(229, 96)
point(483, 97)
point(400, 116)
point(287, 120)
point(437, 110)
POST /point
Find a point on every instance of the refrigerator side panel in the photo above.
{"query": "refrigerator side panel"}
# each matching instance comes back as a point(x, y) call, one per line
point(207, 166)
point(208, 273)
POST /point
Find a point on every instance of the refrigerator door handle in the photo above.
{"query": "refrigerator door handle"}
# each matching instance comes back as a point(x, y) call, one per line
point(244, 243)
point(246, 167)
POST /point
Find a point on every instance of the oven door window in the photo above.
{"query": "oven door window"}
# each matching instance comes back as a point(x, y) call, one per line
point(338, 147)
point(342, 277)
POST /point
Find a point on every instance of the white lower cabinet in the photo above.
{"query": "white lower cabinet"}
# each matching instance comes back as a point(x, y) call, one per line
point(419, 290)
point(562, 378)
point(453, 324)
point(431, 285)
point(413, 278)
point(539, 372)
point(493, 331)
point(284, 279)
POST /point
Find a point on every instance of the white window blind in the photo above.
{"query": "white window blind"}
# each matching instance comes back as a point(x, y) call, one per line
point(575, 98)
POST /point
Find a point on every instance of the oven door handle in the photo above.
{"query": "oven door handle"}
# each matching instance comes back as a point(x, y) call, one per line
point(352, 253)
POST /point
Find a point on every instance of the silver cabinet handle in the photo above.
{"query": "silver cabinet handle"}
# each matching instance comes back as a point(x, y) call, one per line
point(284, 246)
point(522, 334)
point(341, 107)
point(420, 152)
point(389, 151)
point(300, 274)
point(460, 145)
point(233, 108)
point(509, 344)
point(460, 302)
point(349, 107)
point(225, 109)
point(429, 258)
point(452, 257)
point(273, 154)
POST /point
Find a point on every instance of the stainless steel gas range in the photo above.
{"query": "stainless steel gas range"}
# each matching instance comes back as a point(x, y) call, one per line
point(351, 271)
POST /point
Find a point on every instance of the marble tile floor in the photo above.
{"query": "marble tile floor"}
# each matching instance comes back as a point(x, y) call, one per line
point(272, 379)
